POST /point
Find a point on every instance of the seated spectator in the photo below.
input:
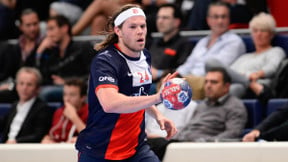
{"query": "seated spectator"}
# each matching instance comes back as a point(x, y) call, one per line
point(257, 66)
point(273, 128)
point(59, 58)
point(13, 57)
point(29, 119)
point(69, 120)
point(221, 44)
point(172, 49)
point(220, 117)
point(30, 38)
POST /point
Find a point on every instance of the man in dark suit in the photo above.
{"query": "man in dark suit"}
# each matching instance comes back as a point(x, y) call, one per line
point(29, 119)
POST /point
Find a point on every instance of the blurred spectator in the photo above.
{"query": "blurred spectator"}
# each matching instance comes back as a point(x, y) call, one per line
point(14, 56)
point(59, 58)
point(221, 117)
point(221, 44)
point(172, 49)
point(97, 14)
point(8, 29)
point(69, 120)
point(241, 13)
point(273, 128)
point(29, 119)
point(30, 38)
point(256, 66)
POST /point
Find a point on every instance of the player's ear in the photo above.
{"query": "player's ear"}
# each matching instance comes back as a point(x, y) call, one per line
point(117, 31)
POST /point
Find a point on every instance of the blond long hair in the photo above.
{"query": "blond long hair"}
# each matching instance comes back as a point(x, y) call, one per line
point(111, 35)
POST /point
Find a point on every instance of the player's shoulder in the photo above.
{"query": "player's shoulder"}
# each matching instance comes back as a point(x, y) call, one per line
point(108, 54)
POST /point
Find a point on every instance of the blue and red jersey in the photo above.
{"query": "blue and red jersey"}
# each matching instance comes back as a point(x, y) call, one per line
point(115, 136)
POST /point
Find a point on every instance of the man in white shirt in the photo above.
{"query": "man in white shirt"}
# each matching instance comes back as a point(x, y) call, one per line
point(221, 44)
point(29, 119)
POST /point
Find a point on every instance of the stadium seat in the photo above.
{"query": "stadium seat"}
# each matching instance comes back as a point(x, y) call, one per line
point(274, 104)
point(255, 112)
point(248, 43)
point(54, 105)
point(281, 41)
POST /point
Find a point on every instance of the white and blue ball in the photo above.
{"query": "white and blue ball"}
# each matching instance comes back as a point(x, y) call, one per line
point(176, 94)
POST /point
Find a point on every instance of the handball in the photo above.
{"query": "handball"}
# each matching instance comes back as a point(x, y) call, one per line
point(176, 94)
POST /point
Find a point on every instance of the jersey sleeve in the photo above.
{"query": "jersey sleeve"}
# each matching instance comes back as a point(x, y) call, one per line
point(104, 71)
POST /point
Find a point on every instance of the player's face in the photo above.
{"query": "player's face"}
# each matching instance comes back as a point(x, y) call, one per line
point(132, 34)
point(30, 26)
point(26, 86)
point(71, 94)
point(215, 86)
point(218, 19)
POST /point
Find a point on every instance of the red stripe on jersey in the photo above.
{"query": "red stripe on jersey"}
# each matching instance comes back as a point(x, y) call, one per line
point(106, 86)
point(124, 137)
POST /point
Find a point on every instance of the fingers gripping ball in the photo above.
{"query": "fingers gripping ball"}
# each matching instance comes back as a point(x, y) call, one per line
point(176, 94)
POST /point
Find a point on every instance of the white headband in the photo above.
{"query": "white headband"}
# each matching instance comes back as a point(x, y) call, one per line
point(135, 11)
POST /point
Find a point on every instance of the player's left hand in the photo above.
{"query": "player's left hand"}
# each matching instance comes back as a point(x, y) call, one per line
point(167, 125)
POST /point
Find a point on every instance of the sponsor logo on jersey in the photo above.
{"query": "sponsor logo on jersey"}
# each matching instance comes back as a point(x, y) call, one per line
point(106, 78)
